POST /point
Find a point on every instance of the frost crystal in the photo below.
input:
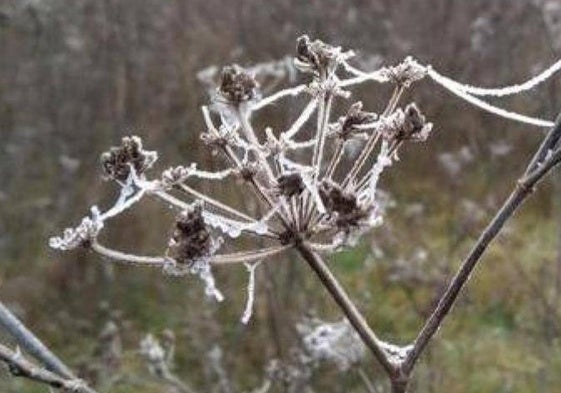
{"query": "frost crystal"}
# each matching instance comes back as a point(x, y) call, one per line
point(81, 235)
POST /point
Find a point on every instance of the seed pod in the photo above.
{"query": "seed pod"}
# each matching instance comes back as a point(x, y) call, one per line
point(316, 56)
point(117, 162)
point(347, 126)
point(191, 238)
point(236, 85)
point(290, 184)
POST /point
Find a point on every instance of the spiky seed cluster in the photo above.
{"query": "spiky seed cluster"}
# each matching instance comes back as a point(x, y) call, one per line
point(191, 239)
point(117, 162)
point(407, 125)
point(347, 126)
point(237, 85)
point(341, 205)
point(316, 57)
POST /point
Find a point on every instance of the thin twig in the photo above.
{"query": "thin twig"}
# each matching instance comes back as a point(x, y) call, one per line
point(524, 188)
point(21, 367)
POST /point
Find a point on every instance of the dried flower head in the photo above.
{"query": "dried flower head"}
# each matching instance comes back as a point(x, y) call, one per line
point(191, 239)
point(317, 57)
point(117, 162)
point(349, 125)
point(237, 85)
point(81, 236)
point(406, 125)
point(405, 73)
point(290, 184)
point(342, 206)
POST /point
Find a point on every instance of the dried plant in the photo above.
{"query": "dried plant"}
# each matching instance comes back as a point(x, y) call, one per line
point(308, 203)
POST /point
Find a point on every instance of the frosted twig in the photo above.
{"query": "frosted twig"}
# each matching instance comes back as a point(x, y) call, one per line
point(248, 310)
point(362, 77)
point(500, 91)
point(490, 108)
point(293, 91)
point(214, 202)
point(127, 259)
point(247, 256)
point(230, 226)
point(21, 367)
point(303, 118)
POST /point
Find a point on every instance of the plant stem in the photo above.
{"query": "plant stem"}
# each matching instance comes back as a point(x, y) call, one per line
point(544, 160)
point(349, 309)
point(31, 343)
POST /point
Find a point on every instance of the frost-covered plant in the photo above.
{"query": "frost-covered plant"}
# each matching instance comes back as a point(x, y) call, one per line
point(311, 196)
point(302, 201)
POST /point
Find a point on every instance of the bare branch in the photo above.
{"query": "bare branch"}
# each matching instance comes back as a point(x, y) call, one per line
point(27, 340)
point(21, 367)
point(523, 189)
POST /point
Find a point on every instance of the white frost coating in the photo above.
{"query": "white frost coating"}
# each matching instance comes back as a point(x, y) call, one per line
point(179, 174)
point(383, 161)
point(396, 353)
point(301, 120)
point(490, 108)
point(131, 192)
point(234, 228)
point(292, 145)
point(229, 226)
point(497, 92)
point(294, 91)
point(200, 267)
point(311, 186)
point(75, 237)
point(216, 203)
point(377, 76)
point(248, 311)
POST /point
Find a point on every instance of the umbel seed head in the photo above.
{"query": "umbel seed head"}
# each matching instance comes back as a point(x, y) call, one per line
point(191, 238)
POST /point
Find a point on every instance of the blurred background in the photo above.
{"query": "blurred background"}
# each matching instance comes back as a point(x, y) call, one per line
point(76, 76)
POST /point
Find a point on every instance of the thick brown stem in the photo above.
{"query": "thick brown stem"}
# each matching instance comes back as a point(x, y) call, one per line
point(354, 316)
